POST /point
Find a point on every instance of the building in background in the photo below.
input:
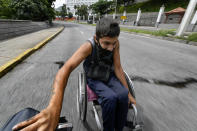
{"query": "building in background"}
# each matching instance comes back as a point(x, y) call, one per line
point(70, 4)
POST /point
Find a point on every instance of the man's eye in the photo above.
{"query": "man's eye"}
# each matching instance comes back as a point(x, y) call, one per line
point(107, 43)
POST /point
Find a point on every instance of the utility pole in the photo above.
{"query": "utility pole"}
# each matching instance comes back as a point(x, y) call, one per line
point(138, 17)
point(193, 22)
point(159, 16)
point(186, 19)
point(114, 16)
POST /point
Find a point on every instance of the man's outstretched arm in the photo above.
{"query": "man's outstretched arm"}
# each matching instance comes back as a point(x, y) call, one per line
point(119, 71)
point(47, 119)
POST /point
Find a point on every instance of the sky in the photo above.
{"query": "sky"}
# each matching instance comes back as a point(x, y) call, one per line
point(59, 3)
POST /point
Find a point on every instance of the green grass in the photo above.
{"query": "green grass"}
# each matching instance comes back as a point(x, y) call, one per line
point(163, 33)
point(155, 33)
point(192, 37)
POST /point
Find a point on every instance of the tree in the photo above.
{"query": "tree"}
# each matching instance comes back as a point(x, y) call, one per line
point(70, 15)
point(38, 10)
point(102, 7)
point(125, 2)
point(167, 1)
point(68, 9)
point(5, 9)
point(82, 10)
point(58, 13)
point(75, 7)
point(63, 11)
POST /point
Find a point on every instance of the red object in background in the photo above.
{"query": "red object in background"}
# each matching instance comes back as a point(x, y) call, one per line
point(65, 19)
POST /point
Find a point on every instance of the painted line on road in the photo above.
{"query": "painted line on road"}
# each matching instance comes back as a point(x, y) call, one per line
point(82, 32)
point(12, 63)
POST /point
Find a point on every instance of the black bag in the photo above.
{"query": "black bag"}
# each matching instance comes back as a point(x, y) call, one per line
point(26, 114)
point(99, 69)
point(21, 116)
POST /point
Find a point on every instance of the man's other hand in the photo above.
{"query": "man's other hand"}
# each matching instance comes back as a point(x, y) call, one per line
point(131, 99)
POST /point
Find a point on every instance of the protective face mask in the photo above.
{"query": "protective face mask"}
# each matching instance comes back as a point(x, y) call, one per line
point(104, 52)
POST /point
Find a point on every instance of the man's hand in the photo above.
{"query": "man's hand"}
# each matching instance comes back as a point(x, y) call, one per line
point(131, 99)
point(46, 120)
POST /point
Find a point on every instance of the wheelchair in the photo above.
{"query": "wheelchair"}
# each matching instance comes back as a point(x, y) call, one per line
point(85, 95)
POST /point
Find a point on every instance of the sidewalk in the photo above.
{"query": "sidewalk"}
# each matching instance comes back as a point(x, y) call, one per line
point(13, 51)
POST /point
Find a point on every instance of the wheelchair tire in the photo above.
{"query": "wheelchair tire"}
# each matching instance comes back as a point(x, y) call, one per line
point(82, 96)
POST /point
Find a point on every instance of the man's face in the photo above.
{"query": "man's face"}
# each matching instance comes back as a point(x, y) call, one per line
point(108, 43)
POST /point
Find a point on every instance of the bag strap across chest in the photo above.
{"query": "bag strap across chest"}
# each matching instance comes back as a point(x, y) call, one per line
point(95, 55)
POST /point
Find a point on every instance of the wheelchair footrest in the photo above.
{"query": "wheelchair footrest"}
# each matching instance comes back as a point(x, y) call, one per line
point(138, 127)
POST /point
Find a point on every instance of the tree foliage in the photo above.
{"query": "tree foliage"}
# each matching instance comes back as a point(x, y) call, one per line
point(63, 11)
point(81, 10)
point(5, 9)
point(125, 2)
point(167, 1)
point(102, 7)
point(38, 10)
point(70, 15)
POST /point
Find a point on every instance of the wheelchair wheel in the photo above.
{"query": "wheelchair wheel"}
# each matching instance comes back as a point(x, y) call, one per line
point(82, 96)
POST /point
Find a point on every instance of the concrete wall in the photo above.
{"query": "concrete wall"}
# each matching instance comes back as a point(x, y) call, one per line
point(149, 19)
point(12, 28)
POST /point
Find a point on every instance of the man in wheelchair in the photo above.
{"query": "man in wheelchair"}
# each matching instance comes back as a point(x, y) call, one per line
point(105, 77)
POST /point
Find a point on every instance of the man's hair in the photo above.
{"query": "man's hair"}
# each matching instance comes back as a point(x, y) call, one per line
point(107, 27)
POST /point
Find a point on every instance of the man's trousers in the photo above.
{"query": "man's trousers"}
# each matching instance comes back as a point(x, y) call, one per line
point(113, 98)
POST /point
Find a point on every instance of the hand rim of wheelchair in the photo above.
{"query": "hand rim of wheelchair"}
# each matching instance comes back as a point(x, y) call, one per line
point(82, 98)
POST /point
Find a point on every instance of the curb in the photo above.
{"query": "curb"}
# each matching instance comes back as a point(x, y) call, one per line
point(12, 63)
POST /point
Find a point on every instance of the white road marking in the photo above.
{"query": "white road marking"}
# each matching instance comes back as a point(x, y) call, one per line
point(82, 32)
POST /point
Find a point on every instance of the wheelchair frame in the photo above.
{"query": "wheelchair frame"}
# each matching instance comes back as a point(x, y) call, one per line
point(82, 101)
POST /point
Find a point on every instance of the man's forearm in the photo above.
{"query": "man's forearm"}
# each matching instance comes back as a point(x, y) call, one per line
point(120, 75)
point(59, 85)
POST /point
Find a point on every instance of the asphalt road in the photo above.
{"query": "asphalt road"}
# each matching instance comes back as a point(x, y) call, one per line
point(164, 75)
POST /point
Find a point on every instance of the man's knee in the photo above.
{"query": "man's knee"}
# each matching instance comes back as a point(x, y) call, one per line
point(123, 95)
point(111, 98)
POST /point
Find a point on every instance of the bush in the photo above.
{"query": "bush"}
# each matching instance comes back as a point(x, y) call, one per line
point(70, 15)
point(154, 6)
point(193, 37)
